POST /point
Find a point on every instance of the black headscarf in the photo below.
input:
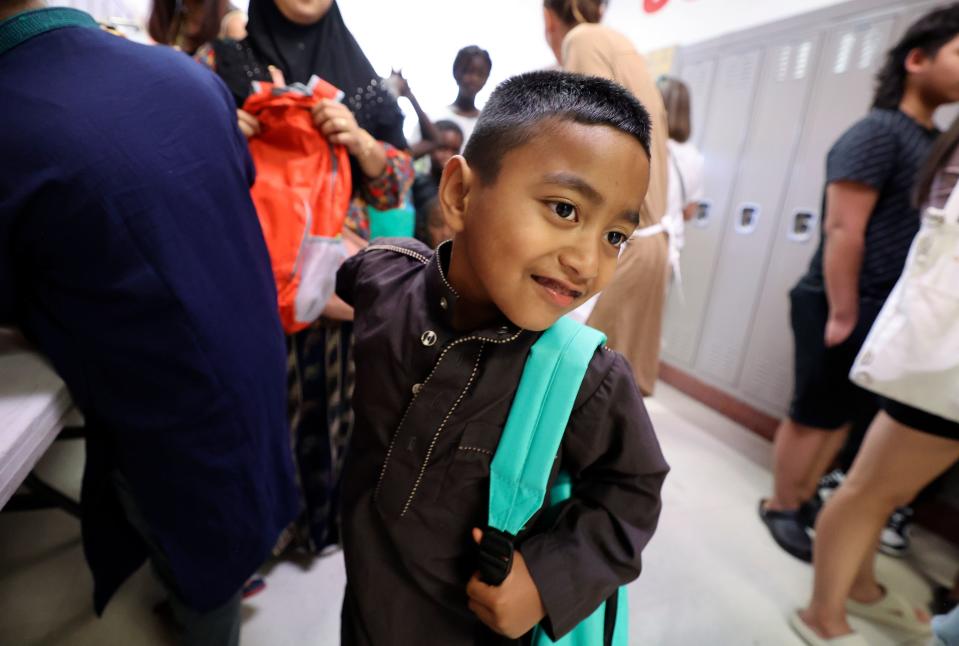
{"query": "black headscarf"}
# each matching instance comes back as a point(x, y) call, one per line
point(325, 48)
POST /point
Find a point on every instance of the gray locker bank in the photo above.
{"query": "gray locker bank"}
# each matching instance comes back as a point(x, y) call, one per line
point(767, 104)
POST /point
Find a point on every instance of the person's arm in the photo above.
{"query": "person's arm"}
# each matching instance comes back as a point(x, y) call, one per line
point(595, 544)
point(848, 208)
point(387, 190)
point(431, 136)
point(7, 293)
point(857, 167)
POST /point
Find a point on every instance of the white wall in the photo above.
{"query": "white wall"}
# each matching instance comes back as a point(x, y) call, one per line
point(422, 36)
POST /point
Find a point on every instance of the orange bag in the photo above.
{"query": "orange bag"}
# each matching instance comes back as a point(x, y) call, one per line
point(302, 193)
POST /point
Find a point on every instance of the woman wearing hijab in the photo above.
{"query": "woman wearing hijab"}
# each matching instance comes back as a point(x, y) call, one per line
point(290, 41)
point(630, 309)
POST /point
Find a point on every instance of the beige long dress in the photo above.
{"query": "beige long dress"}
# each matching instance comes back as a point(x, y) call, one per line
point(630, 309)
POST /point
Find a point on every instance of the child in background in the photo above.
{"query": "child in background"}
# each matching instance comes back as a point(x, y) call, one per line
point(548, 189)
point(430, 228)
point(471, 70)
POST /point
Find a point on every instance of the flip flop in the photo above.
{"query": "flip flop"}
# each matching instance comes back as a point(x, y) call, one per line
point(892, 610)
point(812, 638)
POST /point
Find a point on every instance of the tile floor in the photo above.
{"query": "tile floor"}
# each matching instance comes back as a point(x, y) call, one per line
point(712, 575)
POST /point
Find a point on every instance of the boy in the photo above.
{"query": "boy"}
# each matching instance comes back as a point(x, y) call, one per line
point(549, 188)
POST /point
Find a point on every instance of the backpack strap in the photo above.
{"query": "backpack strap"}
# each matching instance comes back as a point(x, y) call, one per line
point(537, 420)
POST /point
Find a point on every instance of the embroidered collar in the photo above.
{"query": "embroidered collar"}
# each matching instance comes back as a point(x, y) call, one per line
point(21, 27)
point(442, 298)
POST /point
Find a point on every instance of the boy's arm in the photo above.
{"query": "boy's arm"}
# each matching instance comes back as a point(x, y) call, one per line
point(347, 276)
point(595, 543)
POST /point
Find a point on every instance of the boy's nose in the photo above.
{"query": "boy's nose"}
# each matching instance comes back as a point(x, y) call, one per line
point(581, 262)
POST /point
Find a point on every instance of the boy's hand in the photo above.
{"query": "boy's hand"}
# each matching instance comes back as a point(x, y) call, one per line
point(512, 608)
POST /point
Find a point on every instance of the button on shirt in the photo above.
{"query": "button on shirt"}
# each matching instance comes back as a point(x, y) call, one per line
point(428, 420)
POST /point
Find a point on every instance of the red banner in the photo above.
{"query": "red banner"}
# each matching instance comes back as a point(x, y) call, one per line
point(652, 6)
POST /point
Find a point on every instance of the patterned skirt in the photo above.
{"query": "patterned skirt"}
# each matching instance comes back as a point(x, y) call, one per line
point(321, 379)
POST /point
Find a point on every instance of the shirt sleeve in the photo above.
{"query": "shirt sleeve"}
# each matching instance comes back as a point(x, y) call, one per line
point(7, 293)
point(867, 154)
point(347, 276)
point(387, 190)
point(594, 544)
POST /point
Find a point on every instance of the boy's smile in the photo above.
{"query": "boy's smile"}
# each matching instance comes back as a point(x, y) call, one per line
point(545, 235)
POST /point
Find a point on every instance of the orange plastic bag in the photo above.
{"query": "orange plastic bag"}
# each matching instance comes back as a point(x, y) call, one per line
point(302, 193)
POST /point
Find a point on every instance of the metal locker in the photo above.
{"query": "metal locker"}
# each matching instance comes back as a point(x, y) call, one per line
point(756, 205)
point(699, 77)
point(842, 94)
point(724, 133)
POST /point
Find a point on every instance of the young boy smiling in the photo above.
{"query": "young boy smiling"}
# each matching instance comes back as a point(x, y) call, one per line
point(547, 191)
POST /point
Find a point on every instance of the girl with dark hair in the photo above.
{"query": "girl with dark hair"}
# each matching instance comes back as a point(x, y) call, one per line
point(630, 309)
point(290, 41)
point(189, 24)
point(904, 450)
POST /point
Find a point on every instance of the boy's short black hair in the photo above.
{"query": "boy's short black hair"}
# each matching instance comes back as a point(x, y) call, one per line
point(521, 103)
point(928, 34)
point(465, 55)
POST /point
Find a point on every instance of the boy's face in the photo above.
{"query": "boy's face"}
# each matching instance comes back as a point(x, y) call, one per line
point(545, 236)
point(937, 77)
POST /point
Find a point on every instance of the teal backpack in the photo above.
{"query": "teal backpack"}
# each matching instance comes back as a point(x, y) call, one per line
point(520, 469)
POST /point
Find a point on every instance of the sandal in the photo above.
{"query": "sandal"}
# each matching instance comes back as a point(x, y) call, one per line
point(891, 610)
point(812, 638)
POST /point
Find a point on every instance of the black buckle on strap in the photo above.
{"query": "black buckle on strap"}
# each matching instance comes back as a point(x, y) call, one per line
point(495, 556)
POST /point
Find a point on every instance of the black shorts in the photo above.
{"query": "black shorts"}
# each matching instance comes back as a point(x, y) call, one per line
point(823, 395)
point(920, 420)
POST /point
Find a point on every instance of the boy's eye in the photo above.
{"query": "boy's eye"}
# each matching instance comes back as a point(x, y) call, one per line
point(564, 210)
point(616, 238)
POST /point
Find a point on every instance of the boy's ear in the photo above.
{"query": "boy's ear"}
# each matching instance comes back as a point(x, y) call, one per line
point(454, 193)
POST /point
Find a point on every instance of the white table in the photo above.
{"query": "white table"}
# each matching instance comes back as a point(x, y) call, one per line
point(33, 403)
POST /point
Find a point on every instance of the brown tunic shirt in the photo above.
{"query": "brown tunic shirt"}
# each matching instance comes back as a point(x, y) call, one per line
point(430, 406)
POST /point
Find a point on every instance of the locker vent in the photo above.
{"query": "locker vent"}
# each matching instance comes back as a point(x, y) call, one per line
point(846, 45)
point(747, 69)
point(739, 72)
point(772, 382)
point(783, 70)
point(802, 60)
point(871, 46)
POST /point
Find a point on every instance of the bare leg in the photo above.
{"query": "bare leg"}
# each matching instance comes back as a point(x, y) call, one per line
point(797, 452)
point(895, 462)
point(830, 448)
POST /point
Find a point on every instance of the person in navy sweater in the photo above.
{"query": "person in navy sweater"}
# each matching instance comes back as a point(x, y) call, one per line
point(131, 255)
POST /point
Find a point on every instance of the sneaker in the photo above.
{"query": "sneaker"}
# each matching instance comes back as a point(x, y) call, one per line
point(829, 483)
point(894, 540)
point(788, 531)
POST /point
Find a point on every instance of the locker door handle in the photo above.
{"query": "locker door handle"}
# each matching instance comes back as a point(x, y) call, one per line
point(802, 225)
point(747, 218)
point(703, 214)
